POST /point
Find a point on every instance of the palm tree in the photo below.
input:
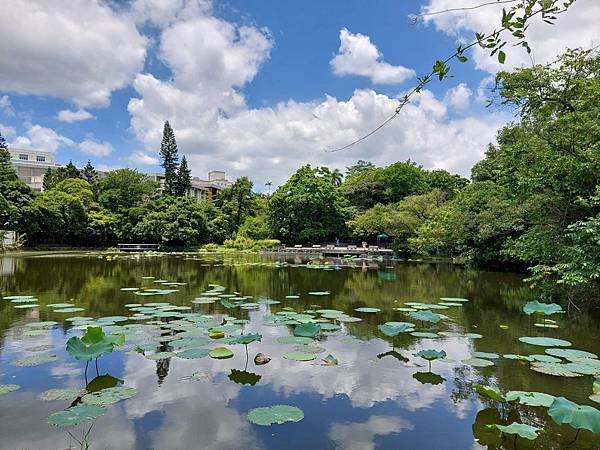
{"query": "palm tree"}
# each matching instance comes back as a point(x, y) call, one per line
point(336, 177)
point(268, 185)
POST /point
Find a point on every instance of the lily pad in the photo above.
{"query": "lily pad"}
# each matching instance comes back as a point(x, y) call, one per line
point(309, 330)
point(427, 316)
point(490, 392)
point(545, 341)
point(220, 353)
point(393, 329)
point(367, 310)
point(424, 334)
point(294, 340)
point(557, 370)
point(75, 415)
point(546, 309)
point(329, 360)
point(578, 416)
point(520, 429)
point(530, 398)
point(275, 414)
point(319, 293)
point(160, 355)
point(478, 362)
point(454, 299)
point(193, 353)
point(299, 356)
point(6, 388)
point(109, 396)
point(61, 394)
point(569, 353)
point(246, 339)
point(35, 360)
point(485, 355)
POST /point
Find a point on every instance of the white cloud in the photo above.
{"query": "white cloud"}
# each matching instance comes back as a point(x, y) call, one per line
point(143, 159)
point(458, 97)
point(357, 55)
point(78, 50)
point(94, 148)
point(577, 27)
point(6, 106)
point(38, 137)
point(7, 132)
point(164, 12)
point(66, 115)
point(360, 436)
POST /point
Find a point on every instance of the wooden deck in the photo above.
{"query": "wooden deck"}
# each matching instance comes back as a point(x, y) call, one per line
point(330, 250)
point(138, 247)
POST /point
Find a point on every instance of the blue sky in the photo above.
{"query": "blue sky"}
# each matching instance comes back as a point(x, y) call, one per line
point(255, 88)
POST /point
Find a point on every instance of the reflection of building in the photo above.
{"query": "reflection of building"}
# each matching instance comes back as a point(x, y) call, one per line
point(201, 189)
point(31, 165)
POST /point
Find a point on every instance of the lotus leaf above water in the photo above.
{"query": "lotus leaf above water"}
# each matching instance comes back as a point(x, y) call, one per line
point(75, 415)
point(518, 429)
point(578, 416)
point(309, 330)
point(93, 344)
point(276, 414)
point(547, 309)
point(427, 316)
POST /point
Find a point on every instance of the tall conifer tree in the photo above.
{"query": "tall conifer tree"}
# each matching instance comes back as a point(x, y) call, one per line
point(170, 158)
point(184, 178)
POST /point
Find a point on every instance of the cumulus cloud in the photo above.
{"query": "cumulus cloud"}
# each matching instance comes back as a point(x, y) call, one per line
point(94, 148)
point(577, 27)
point(360, 436)
point(162, 13)
point(6, 106)
point(458, 97)
point(357, 55)
point(77, 50)
point(143, 159)
point(7, 132)
point(211, 61)
point(42, 138)
point(66, 115)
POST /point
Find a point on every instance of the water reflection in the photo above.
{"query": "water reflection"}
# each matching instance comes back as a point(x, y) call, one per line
point(374, 398)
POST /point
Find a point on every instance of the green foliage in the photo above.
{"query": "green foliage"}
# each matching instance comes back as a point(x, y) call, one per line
point(237, 202)
point(93, 344)
point(307, 208)
point(184, 178)
point(170, 159)
point(125, 188)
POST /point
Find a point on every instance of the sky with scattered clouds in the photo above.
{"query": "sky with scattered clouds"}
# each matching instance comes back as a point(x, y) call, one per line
point(255, 88)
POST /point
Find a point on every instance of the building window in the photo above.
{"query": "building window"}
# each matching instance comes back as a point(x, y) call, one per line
point(39, 158)
point(23, 157)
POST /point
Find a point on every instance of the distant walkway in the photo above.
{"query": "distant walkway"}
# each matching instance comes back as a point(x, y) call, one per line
point(332, 250)
point(138, 247)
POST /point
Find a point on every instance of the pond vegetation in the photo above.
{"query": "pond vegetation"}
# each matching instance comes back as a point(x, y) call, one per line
point(99, 357)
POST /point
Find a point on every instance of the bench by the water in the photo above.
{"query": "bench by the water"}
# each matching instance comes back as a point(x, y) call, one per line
point(332, 250)
point(138, 247)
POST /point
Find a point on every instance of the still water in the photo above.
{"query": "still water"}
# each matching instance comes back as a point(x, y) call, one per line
point(379, 395)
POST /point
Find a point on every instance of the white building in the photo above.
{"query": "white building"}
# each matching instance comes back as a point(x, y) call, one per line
point(201, 189)
point(31, 165)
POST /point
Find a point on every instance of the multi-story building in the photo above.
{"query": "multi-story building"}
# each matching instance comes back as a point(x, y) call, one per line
point(31, 165)
point(201, 189)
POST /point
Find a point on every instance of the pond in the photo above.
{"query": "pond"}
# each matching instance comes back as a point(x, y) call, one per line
point(184, 378)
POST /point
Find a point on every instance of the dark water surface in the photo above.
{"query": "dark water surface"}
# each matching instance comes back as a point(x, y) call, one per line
point(373, 398)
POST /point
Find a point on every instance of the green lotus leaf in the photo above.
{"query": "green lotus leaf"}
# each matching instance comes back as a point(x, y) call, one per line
point(275, 414)
point(490, 392)
point(69, 310)
point(544, 358)
point(319, 293)
point(583, 368)
point(17, 297)
point(193, 353)
point(427, 316)
point(247, 338)
point(518, 357)
point(348, 319)
point(557, 370)
point(35, 360)
point(61, 394)
point(545, 341)
point(299, 356)
point(424, 334)
point(329, 360)
point(128, 289)
point(520, 429)
point(160, 355)
point(392, 330)
point(109, 396)
point(485, 355)
point(60, 305)
point(530, 398)
point(569, 353)
point(329, 326)
point(294, 340)
point(92, 345)
point(545, 325)
point(75, 415)
point(309, 330)
point(454, 299)
point(220, 353)
point(478, 362)
point(546, 309)
point(430, 354)
point(578, 416)
point(6, 388)
point(216, 334)
point(367, 310)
